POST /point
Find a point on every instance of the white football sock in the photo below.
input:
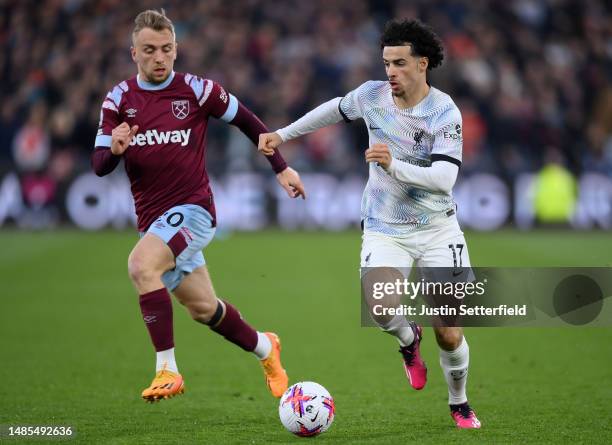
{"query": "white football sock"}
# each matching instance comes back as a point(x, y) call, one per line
point(264, 346)
point(455, 368)
point(165, 359)
point(399, 328)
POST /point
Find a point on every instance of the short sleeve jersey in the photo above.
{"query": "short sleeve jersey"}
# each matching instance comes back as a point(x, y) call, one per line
point(165, 161)
point(428, 132)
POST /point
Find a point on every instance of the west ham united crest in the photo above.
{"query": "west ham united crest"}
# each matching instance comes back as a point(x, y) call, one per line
point(180, 108)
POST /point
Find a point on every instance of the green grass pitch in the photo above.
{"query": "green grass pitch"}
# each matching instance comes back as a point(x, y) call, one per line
point(74, 350)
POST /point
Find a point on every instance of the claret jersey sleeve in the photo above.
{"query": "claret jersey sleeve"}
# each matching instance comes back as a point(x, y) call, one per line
point(217, 102)
point(103, 161)
point(212, 98)
point(109, 115)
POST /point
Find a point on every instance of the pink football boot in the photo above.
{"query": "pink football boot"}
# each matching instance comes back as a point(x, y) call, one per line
point(464, 416)
point(416, 371)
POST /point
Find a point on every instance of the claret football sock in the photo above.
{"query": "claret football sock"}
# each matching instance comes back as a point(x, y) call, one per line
point(156, 308)
point(235, 329)
point(455, 368)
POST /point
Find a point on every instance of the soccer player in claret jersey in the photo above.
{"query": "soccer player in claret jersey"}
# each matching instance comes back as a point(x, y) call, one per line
point(408, 212)
point(156, 122)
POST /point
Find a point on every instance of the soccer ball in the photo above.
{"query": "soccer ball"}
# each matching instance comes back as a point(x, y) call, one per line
point(306, 409)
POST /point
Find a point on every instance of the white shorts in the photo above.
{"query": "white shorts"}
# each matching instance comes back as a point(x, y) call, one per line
point(439, 246)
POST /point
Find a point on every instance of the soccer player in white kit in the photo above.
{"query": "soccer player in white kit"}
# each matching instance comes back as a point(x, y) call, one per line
point(408, 212)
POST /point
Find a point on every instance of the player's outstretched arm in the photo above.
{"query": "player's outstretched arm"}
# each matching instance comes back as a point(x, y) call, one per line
point(251, 126)
point(439, 177)
point(327, 113)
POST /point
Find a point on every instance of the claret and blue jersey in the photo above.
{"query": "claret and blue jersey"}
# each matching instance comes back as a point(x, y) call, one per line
point(166, 161)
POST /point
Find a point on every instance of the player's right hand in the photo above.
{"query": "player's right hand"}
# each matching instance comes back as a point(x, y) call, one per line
point(121, 137)
point(290, 180)
point(268, 142)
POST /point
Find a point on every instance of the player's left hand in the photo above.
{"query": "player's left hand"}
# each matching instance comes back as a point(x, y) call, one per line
point(290, 180)
point(379, 153)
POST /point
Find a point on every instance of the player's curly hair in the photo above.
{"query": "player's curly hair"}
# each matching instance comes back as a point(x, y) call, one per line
point(423, 40)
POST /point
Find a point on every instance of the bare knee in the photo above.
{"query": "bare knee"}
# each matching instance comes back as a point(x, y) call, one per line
point(149, 259)
point(203, 311)
point(449, 339)
point(379, 304)
point(197, 294)
point(141, 272)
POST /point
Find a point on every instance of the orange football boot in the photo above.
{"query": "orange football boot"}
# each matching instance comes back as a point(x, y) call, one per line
point(165, 385)
point(276, 377)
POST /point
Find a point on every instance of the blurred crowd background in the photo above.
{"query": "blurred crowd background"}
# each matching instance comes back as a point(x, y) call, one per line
point(533, 78)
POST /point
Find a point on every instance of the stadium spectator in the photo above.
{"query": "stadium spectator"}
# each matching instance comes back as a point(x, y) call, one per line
point(534, 72)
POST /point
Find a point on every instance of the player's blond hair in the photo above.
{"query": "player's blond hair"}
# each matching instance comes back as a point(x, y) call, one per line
point(151, 18)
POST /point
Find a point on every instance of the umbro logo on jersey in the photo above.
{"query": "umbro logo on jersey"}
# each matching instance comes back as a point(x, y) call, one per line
point(154, 137)
point(131, 112)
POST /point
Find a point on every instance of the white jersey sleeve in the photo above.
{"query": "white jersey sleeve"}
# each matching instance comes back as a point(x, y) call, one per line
point(439, 177)
point(448, 139)
point(325, 114)
point(352, 105)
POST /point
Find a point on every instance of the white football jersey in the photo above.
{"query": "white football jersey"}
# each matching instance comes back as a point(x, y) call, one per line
point(427, 132)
